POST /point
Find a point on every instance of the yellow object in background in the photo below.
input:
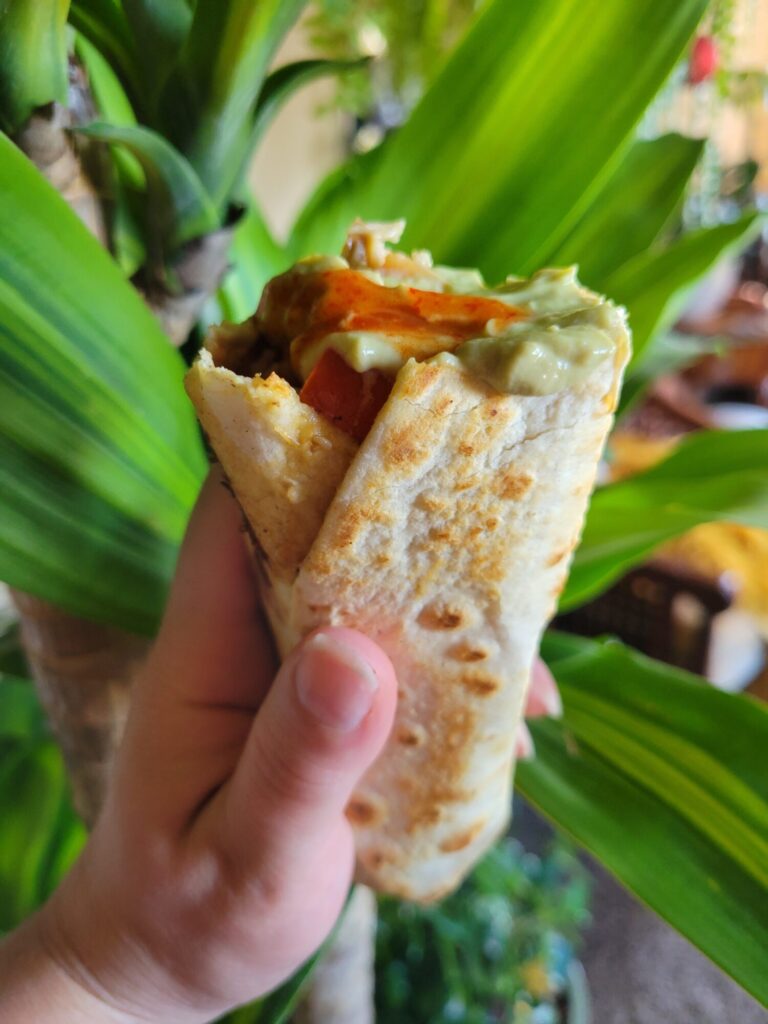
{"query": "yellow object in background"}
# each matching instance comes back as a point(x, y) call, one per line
point(713, 549)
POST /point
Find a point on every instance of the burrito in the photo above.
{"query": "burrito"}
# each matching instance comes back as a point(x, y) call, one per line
point(413, 452)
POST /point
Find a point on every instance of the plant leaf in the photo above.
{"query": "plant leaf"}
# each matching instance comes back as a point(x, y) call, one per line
point(21, 716)
point(632, 208)
point(127, 180)
point(491, 169)
point(41, 834)
point(32, 796)
point(654, 285)
point(662, 778)
point(282, 83)
point(711, 476)
point(100, 456)
point(669, 351)
point(104, 25)
point(159, 28)
point(179, 208)
point(107, 90)
point(209, 101)
point(33, 58)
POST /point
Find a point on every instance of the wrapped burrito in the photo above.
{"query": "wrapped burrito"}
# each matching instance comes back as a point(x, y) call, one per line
point(414, 452)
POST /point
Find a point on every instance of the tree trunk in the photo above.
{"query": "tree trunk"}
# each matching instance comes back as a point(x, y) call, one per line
point(83, 673)
point(341, 989)
point(46, 142)
point(198, 269)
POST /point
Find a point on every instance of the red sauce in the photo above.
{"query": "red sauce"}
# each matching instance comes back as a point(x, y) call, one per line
point(302, 308)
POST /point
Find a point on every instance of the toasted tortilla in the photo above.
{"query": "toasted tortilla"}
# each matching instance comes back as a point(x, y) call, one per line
point(448, 542)
point(446, 536)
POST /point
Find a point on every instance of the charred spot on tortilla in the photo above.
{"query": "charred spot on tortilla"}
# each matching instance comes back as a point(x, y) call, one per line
point(462, 839)
point(482, 686)
point(467, 652)
point(411, 735)
point(365, 811)
point(441, 617)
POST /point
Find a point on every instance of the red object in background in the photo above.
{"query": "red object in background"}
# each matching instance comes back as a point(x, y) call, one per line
point(347, 398)
point(703, 61)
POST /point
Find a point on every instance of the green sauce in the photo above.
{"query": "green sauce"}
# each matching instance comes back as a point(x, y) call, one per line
point(567, 332)
point(546, 353)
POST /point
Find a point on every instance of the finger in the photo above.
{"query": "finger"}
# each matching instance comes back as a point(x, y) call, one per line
point(543, 694)
point(208, 672)
point(322, 725)
point(524, 747)
point(214, 648)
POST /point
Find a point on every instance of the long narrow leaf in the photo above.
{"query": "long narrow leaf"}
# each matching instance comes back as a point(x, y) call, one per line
point(103, 24)
point(108, 92)
point(285, 81)
point(32, 791)
point(159, 30)
point(662, 778)
point(127, 180)
point(101, 457)
point(33, 58)
point(21, 716)
point(711, 476)
point(632, 208)
point(493, 169)
point(654, 286)
point(179, 207)
point(209, 100)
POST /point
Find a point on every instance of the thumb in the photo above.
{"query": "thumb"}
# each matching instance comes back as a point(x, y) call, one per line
point(323, 723)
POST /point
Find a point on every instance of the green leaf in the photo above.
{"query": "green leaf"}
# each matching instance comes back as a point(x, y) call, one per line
point(100, 456)
point(33, 58)
point(285, 81)
point(107, 90)
point(632, 208)
point(519, 131)
point(654, 285)
point(711, 476)
point(178, 206)
point(255, 257)
point(128, 180)
point(670, 351)
point(209, 101)
point(159, 29)
point(104, 25)
point(663, 779)
point(33, 800)
point(21, 716)
point(12, 659)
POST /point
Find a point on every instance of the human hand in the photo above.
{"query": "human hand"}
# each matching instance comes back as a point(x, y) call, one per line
point(222, 856)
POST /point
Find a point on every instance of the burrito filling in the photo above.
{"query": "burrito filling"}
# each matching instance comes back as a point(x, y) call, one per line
point(340, 327)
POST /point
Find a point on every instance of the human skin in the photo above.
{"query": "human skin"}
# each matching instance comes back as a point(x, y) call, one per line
point(222, 856)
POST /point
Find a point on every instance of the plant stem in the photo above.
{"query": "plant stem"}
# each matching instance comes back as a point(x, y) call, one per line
point(341, 987)
point(198, 271)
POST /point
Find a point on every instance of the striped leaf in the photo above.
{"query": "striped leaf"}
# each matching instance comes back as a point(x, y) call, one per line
point(100, 457)
point(663, 779)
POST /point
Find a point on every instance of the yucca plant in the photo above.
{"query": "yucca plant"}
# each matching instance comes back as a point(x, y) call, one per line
point(142, 117)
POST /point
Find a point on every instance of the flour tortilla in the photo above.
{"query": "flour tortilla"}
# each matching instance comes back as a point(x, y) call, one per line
point(284, 463)
point(448, 543)
point(446, 537)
